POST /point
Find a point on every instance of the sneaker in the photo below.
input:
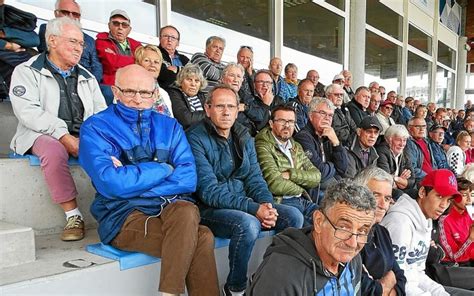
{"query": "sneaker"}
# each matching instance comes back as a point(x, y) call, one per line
point(227, 292)
point(74, 229)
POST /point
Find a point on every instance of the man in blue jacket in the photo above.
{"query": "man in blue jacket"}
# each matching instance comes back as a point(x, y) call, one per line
point(235, 200)
point(143, 170)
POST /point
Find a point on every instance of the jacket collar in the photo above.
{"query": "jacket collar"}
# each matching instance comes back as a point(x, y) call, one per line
point(239, 132)
point(132, 115)
point(40, 64)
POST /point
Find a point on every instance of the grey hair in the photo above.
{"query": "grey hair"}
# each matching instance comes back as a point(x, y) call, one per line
point(188, 71)
point(372, 172)
point(372, 84)
point(211, 39)
point(56, 5)
point(350, 193)
point(55, 26)
point(396, 130)
point(230, 66)
point(330, 88)
point(315, 102)
point(221, 86)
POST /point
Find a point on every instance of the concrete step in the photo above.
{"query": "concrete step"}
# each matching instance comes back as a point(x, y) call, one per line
point(66, 268)
point(8, 123)
point(25, 199)
point(17, 245)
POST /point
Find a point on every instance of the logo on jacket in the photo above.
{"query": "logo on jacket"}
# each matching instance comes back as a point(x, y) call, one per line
point(19, 90)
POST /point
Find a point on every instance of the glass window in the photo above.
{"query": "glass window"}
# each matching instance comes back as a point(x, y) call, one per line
point(142, 15)
point(446, 55)
point(238, 22)
point(444, 87)
point(418, 77)
point(338, 3)
point(419, 39)
point(382, 62)
point(313, 39)
point(384, 19)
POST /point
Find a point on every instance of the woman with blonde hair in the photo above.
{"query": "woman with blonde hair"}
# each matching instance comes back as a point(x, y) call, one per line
point(150, 58)
point(457, 156)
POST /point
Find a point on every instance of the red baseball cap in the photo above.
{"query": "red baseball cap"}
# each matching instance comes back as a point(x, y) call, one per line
point(444, 182)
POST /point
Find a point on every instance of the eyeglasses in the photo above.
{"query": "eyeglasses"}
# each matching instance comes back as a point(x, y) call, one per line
point(284, 122)
point(72, 14)
point(124, 25)
point(74, 42)
point(264, 82)
point(170, 37)
point(247, 47)
point(222, 107)
point(388, 107)
point(340, 95)
point(342, 234)
point(131, 93)
point(419, 126)
point(324, 114)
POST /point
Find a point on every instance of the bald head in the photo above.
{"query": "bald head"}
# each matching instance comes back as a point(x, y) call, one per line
point(134, 87)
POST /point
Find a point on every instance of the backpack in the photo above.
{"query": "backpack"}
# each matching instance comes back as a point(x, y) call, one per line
point(15, 18)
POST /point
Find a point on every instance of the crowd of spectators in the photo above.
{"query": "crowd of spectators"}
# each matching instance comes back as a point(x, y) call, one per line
point(253, 150)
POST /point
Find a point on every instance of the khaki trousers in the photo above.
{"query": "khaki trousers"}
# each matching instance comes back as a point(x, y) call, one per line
point(186, 248)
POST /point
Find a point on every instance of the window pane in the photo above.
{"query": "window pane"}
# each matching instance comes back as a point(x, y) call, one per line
point(382, 62)
point(444, 86)
point(383, 18)
point(315, 31)
point(419, 39)
point(446, 55)
point(338, 3)
point(418, 77)
point(242, 22)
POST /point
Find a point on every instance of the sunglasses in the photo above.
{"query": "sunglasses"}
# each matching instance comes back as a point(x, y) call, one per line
point(68, 13)
point(247, 47)
point(124, 25)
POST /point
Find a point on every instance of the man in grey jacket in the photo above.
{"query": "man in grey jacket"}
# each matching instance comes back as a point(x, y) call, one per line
point(51, 96)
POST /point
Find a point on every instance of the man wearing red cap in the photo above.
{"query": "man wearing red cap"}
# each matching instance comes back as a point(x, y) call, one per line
point(409, 223)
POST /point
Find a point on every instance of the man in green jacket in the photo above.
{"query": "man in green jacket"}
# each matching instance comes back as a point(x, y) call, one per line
point(289, 173)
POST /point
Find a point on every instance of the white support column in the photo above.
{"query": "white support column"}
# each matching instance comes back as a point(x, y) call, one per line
point(461, 72)
point(276, 27)
point(163, 13)
point(434, 54)
point(357, 41)
point(404, 57)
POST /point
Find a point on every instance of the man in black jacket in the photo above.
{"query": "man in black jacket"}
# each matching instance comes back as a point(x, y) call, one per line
point(321, 144)
point(321, 259)
point(358, 105)
point(173, 61)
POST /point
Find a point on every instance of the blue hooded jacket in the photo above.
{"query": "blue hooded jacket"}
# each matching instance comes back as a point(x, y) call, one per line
point(158, 166)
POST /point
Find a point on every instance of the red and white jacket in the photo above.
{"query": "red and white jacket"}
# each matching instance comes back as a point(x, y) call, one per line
point(454, 236)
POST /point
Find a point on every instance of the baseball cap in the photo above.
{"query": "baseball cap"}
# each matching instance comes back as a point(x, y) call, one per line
point(338, 77)
point(443, 182)
point(370, 122)
point(386, 102)
point(436, 126)
point(119, 12)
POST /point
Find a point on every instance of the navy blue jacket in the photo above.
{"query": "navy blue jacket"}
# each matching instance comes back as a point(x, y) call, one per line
point(158, 165)
point(89, 59)
point(335, 165)
point(438, 155)
point(220, 185)
point(301, 113)
point(378, 258)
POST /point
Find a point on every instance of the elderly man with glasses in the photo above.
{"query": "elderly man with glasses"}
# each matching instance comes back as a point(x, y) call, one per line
point(321, 144)
point(322, 259)
point(173, 61)
point(89, 59)
point(52, 95)
point(144, 172)
point(342, 122)
point(115, 49)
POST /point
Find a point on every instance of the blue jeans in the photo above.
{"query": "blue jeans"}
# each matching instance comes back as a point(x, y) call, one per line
point(243, 230)
point(305, 206)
